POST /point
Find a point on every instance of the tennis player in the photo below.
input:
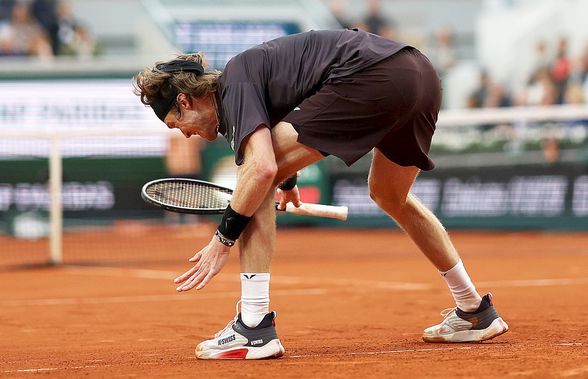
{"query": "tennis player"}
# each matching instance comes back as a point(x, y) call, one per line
point(284, 105)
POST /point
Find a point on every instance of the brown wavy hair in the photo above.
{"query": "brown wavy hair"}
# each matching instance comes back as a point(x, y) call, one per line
point(152, 83)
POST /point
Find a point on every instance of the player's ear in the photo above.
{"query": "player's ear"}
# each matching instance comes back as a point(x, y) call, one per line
point(183, 101)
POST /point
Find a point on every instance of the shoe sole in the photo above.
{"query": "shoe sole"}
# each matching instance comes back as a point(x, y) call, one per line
point(496, 328)
point(272, 349)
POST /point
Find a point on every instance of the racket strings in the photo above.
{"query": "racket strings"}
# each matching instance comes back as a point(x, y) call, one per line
point(189, 195)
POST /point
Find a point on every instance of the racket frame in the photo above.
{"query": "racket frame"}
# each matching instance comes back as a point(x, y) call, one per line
point(180, 209)
point(317, 210)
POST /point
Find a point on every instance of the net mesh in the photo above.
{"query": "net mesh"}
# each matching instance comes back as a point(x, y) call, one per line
point(107, 145)
point(105, 221)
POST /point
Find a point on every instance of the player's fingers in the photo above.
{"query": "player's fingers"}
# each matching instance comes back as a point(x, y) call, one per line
point(182, 287)
point(186, 275)
point(215, 268)
point(282, 204)
point(195, 280)
point(189, 273)
point(206, 280)
point(196, 277)
point(191, 279)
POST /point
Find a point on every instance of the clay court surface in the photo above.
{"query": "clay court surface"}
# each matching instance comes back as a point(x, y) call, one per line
point(350, 304)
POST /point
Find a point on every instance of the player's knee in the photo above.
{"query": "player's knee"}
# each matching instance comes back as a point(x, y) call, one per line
point(387, 199)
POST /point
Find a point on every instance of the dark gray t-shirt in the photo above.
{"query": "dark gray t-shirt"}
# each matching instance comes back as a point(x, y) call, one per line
point(266, 82)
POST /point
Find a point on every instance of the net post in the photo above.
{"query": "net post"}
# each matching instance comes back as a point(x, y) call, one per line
point(56, 210)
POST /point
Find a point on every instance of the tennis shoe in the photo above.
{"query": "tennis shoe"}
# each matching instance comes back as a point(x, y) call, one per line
point(459, 326)
point(238, 341)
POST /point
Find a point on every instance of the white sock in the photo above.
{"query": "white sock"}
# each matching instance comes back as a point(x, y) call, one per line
point(461, 287)
point(254, 297)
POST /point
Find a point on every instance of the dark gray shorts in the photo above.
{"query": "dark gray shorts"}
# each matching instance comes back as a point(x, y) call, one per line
point(391, 105)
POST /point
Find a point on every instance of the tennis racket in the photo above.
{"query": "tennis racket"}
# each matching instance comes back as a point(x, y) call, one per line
point(205, 198)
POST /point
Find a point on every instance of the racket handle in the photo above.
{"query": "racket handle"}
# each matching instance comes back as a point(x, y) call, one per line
point(318, 210)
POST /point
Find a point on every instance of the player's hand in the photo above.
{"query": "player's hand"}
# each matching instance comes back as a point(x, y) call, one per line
point(291, 196)
point(209, 262)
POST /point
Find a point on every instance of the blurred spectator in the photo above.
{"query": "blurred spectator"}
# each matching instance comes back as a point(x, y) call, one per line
point(542, 60)
point(488, 94)
point(552, 82)
point(583, 72)
point(376, 23)
point(576, 91)
point(497, 96)
point(562, 81)
point(22, 35)
point(6, 9)
point(541, 89)
point(561, 70)
point(337, 8)
point(45, 11)
point(574, 94)
point(443, 53)
point(583, 66)
point(72, 36)
point(478, 98)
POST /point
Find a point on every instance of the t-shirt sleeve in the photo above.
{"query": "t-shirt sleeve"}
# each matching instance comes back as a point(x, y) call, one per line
point(245, 110)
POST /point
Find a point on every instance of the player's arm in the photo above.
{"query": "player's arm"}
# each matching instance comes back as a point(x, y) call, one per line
point(255, 177)
point(257, 173)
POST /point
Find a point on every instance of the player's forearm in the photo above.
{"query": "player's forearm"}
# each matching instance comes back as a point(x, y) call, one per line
point(257, 173)
point(254, 181)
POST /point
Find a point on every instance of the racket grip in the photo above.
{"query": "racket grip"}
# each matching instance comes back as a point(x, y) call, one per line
point(318, 210)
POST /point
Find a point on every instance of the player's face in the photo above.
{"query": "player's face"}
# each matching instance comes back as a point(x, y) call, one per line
point(194, 117)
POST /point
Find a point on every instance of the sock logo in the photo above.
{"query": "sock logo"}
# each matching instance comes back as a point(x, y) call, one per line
point(249, 276)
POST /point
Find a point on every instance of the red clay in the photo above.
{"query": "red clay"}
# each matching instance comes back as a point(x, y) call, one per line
point(350, 304)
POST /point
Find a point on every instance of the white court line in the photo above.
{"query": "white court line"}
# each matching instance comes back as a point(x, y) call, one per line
point(123, 272)
point(284, 279)
point(27, 370)
point(570, 344)
point(390, 351)
point(276, 279)
point(534, 282)
point(151, 298)
point(80, 367)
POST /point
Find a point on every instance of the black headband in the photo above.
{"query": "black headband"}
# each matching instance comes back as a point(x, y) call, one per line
point(163, 104)
point(179, 65)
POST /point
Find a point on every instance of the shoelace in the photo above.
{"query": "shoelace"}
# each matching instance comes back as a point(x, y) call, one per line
point(232, 322)
point(446, 312)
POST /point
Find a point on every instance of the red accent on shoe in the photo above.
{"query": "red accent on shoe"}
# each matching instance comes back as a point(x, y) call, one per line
point(233, 354)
